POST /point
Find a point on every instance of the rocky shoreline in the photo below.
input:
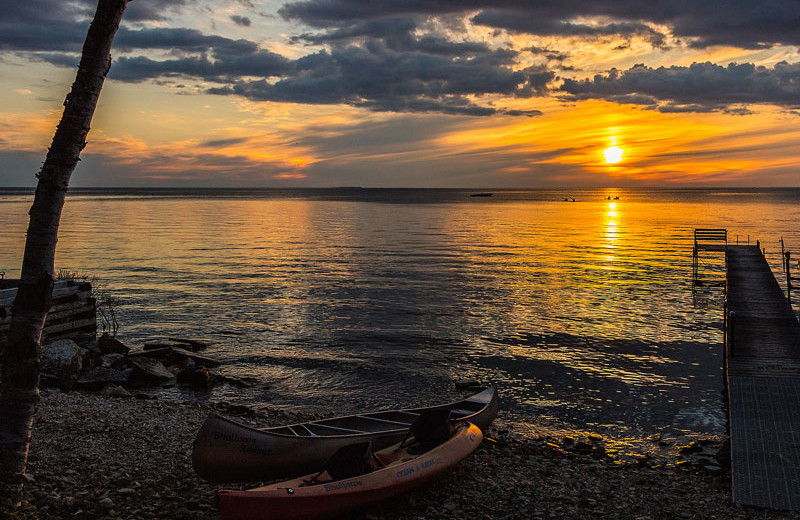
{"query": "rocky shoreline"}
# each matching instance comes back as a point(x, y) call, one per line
point(101, 456)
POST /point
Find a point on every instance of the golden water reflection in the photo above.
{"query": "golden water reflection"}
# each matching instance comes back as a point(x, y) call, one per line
point(579, 310)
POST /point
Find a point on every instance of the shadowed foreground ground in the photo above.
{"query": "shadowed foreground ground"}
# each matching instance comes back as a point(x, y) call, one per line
point(103, 457)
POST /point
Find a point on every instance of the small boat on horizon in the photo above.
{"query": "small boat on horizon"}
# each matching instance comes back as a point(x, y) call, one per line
point(482, 194)
point(393, 470)
point(228, 451)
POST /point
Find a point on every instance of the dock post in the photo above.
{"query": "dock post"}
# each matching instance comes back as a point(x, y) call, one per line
point(783, 253)
point(731, 331)
point(725, 335)
point(788, 256)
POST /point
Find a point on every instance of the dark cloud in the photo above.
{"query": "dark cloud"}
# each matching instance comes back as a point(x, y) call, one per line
point(43, 25)
point(222, 143)
point(389, 56)
point(701, 87)
point(398, 34)
point(29, 12)
point(183, 40)
point(241, 20)
point(743, 23)
point(512, 21)
point(395, 29)
point(48, 25)
point(64, 36)
point(151, 10)
point(376, 77)
point(213, 58)
point(222, 69)
point(328, 13)
point(550, 54)
point(390, 68)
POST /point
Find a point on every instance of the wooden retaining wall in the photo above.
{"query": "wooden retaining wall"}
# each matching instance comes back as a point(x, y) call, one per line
point(73, 313)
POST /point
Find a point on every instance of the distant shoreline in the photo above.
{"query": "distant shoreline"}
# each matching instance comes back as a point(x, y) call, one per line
point(164, 189)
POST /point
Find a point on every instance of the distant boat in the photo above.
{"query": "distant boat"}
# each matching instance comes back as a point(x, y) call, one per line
point(226, 451)
point(485, 194)
point(324, 495)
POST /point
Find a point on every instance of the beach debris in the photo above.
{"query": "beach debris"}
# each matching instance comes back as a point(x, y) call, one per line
point(191, 345)
point(470, 384)
point(176, 355)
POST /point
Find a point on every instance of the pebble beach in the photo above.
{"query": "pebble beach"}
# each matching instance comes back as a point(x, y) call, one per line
point(97, 456)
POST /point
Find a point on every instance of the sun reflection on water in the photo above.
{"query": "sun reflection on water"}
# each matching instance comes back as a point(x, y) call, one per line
point(582, 311)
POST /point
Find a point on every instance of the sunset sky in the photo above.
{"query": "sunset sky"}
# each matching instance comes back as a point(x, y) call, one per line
point(451, 93)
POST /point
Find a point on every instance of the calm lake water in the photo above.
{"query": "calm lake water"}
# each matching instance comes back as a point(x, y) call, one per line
point(582, 313)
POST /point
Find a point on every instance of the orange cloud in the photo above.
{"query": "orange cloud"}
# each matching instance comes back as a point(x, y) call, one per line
point(31, 132)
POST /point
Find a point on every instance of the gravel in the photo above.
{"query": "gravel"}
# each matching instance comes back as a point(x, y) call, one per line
point(99, 456)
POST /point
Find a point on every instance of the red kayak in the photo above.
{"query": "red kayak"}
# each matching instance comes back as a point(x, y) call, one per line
point(398, 468)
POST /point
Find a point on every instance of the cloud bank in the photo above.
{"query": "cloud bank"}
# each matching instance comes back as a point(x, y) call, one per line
point(420, 56)
point(701, 87)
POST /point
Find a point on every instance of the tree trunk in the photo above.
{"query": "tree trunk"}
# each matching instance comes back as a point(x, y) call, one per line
point(19, 364)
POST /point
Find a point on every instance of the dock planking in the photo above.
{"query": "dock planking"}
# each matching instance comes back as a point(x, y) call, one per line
point(763, 377)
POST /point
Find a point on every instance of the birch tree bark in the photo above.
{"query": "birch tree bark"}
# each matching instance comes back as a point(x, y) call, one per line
point(19, 361)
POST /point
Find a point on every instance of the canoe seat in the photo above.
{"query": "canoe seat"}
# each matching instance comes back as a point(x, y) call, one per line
point(350, 461)
point(429, 430)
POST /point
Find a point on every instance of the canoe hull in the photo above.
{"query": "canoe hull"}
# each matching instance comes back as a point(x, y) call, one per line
point(226, 451)
point(288, 500)
point(247, 455)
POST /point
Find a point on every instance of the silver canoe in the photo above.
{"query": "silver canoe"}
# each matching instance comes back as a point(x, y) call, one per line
point(227, 451)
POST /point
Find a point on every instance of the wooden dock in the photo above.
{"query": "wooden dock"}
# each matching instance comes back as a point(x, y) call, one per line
point(762, 342)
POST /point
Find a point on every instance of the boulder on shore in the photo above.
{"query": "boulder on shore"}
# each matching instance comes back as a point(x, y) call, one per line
point(116, 391)
point(195, 377)
point(97, 378)
point(148, 372)
point(110, 345)
point(61, 362)
point(117, 361)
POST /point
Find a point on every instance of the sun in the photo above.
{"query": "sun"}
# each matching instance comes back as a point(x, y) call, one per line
point(613, 154)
